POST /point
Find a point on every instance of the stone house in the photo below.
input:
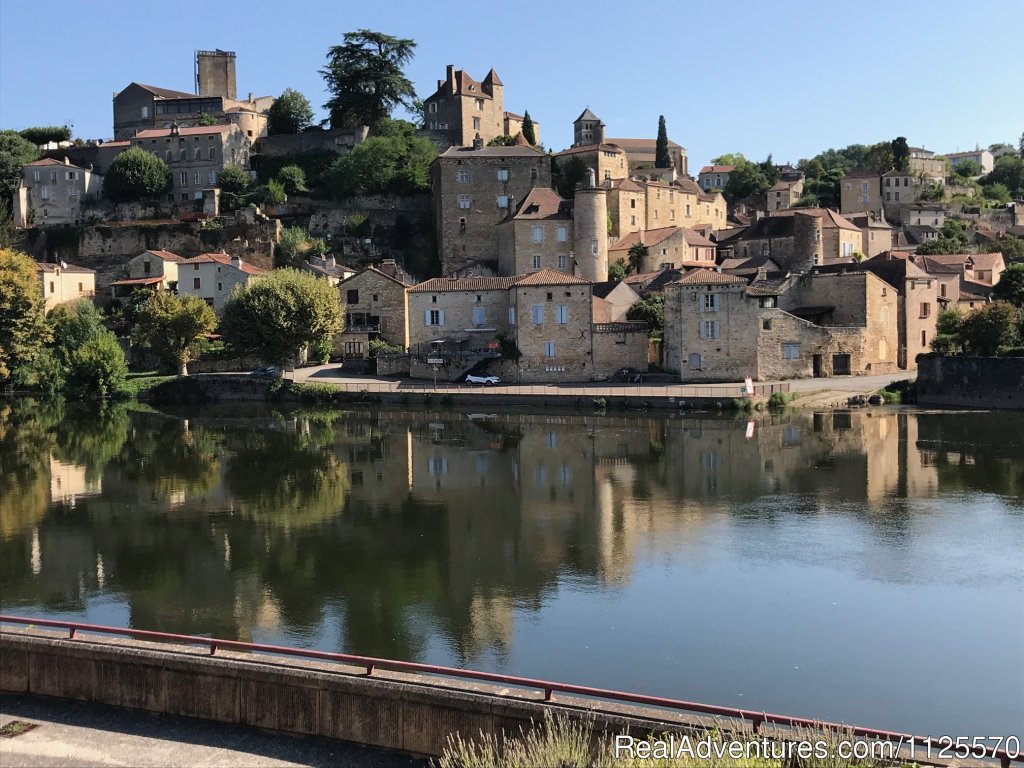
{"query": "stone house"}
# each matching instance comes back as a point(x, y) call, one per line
point(901, 188)
point(64, 282)
point(141, 107)
point(612, 300)
point(667, 248)
point(860, 191)
point(196, 156)
point(783, 194)
point(463, 109)
point(608, 160)
point(982, 157)
point(635, 204)
point(327, 268)
point(588, 130)
point(925, 214)
point(51, 192)
point(926, 163)
point(548, 316)
point(799, 238)
point(474, 189)
point(875, 230)
point(213, 277)
point(714, 177)
point(154, 269)
point(376, 307)
point(964, 280)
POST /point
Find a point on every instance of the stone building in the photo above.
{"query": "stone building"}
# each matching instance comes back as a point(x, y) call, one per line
point(901, 188)
point(474, 188)
point(608, 160)
point(876, 232)
point(196, 156)
point(714, 177)
point(213, 277)
point(140, 107)
point(926, 163)
point(463, 109)
point(982, 157)
point(635, 204)
point(51, 192)
point(783, 194)
point(376, 307)
point(327, 268)
point(156, 270)
point(800, 238)
point(588, 130)
point(64, 282)
point(925, 214)
point(538, 235)
point(860, 191)
point(964, 280)
point(667, 248)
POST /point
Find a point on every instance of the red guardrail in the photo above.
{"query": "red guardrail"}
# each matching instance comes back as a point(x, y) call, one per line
point(756, 719)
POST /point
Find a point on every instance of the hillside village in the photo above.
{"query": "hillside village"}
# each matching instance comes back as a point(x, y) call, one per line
point(494, 254)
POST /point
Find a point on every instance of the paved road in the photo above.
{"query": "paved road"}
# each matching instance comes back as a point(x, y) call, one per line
point(70, 733)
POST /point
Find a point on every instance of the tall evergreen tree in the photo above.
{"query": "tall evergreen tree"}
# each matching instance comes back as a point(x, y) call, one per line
point(366, 80)
point(528, 131)
point(900, 154)
point(662, 159)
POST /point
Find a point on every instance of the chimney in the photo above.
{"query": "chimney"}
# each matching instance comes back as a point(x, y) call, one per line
point(331, 261)
point(591, 178)
point(236, 262)
point(450, 76)
point(478, 143)
point(762, 273)
point(251, 99)
point(66, 161)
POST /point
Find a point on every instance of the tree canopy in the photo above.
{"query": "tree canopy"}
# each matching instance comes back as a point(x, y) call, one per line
point(15, 152)
point(650, 311)
point(1011, 286)
point(1008, 171)
point(395, 161)
point(290, 113)
point(23, 328)
point(44, 134)
point(366, 79)
point(662, 159)
point(172, 326)
point(900, 154)
point(529, 132)
point(134, 175)
point(276, 316)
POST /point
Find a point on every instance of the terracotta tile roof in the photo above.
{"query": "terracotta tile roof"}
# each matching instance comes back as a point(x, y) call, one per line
point(627, 185)
point(781, 185)
point(47, 266)
point(606, 147)
point(638, 144)
point(688, 185)
point(986, 260)
point(139, 281)
point(693, 237)
point(601, 311)
point(492, 78)
point(705, 276)
point(197, 130)
point(717, 169)
point(105, 144)
point(164, 255)
point(543, 203)
point(164, 93)
point(642, 277)
point(225, 259)
point(513, 151)
point(375, 271)
point(971, 290)
point(772, 287)
point(51, 161)
point(550, 277)
point(648, 237)
point(948, 259)
point(443, 284)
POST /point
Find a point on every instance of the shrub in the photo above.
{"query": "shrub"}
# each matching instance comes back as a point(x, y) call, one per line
point(97, 368)
point(381, 347)
point(779, 400)
point(313, 392)
point(743, 405)
point(293, 179)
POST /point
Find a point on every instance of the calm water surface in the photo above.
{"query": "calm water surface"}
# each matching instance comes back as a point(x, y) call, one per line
point(864, 567)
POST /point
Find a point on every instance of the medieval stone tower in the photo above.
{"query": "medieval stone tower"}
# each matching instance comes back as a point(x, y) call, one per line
point(587, 129)
point(590, 230)
point(808, 248)
point(215, 73)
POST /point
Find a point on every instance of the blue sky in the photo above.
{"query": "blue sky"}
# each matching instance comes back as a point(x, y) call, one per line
point(786, 77)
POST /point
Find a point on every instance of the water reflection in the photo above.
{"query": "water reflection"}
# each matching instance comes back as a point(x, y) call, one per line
point(451, 537)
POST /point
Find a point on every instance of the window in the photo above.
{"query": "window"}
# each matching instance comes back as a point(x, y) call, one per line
point(790, 351)
point(563, 235)
point(926, 309)
point(711, 302)
point(37, 175)
point(924, 339)
point(352, 296)
point(562, 314)
point(687, 209)
point(478, 315)
point(197, 153)
point(213, 153)
point(767, 302)
point(694, 361)
point(463, 176)
point(145, 113)
point(51, 286)
point(44, 193)
point(766, 324)
point(502, 201)
point(655, 214)
point(511, 315)
point(503, 174)
point(220, 286)
point(434, 317)
point(211, 178)
point(561, 261)
point(538, 234)
point(462, 226)
point(184, 178)
point(709, 329)
point(170, 156)
point(942, 290)
point(72, 191)
point(632, 221)
point(538, 314)
point(183, 155)
point(480, 105)
point(593, 246)
point(672, 215)
point(476, 123)
point(632, 202)
point(197, 179)
point(549, 349)
point(433, 106)
point(195, 282)
point(464, 202)
point(897, 197)
point(536, 262)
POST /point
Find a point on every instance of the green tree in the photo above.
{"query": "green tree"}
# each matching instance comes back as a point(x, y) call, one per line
point(997, 192)
point(529, 132)
point(134, 175)
point(1010, 287)
point(173, 327)
point(879, 157)
point(274, 193)
point(15, 152)
point(991, 328)
point(637, 254)
point(662, 159)
point(394, 162)
point(812, 168)
point(97, 368)
point(290, 113)
point(502, 141)
point(1009, 171)
point(293, 179)
point(365, 78)
point(967, 169)
point(940, 245)
point(650, 311)
point(208, 118)
point(747, 181)
point(731, 158)
point(948, 338)
point(1011, 247)
point(23, 328)
point(900, 154)
point(234, 180)
point(617, 271)
point(933, 193)
point(44, 134)
point(294, 242)
point(566, 175)
point(277, 315)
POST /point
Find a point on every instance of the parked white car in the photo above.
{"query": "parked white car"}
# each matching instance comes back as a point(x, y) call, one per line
point(486, 381)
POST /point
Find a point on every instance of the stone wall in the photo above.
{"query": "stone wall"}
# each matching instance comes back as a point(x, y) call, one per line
point(338, 140)
point(618, 346)
point(974, 382)
point(573, 351)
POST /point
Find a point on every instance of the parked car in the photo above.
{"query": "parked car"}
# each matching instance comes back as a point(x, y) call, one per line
point(486, 381)
point(269, 372)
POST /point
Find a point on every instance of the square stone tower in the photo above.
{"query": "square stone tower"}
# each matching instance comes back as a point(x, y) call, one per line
point(215, 73)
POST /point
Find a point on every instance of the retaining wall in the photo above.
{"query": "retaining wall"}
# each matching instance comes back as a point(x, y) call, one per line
point(974, 382)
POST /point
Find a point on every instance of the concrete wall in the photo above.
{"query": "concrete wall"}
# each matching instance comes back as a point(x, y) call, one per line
point(980, 382)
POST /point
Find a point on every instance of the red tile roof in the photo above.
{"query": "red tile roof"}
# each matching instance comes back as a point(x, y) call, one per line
point(442, 284)
point(197, 130)
point(647, 237)
point(543, 203)
point(550, 277)
point(140, 281)
point(225, 259)
point(46, 266)
point(717, 169)
point(164, 255)
point(709, 277)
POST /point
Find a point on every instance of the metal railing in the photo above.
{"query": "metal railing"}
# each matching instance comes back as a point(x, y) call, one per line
point(548, 688)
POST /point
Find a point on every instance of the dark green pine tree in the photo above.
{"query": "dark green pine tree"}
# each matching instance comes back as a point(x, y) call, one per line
point(662, 159)
point(528, 133)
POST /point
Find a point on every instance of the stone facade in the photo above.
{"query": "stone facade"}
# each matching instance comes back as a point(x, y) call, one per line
point(63, 282)
point(155, 270)
point(784, 195)
point(876, 232)
point(462, 110)
point(196, 156)
point(376, 307)
point(51, 193)
point(926, 163)
point(859, 192)
point(144, 107)
point(801, 238)
point(337, 140)
point(924, 214)
point(714, 177)
point(634, 205)
point(608, 160)
point(474, 190)
point(213, 277)
point(667, 248)
point(553, 328)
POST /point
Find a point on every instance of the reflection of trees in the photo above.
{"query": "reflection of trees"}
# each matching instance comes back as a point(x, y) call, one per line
point(172, 458)
point(87, 435)
point(24, 468)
